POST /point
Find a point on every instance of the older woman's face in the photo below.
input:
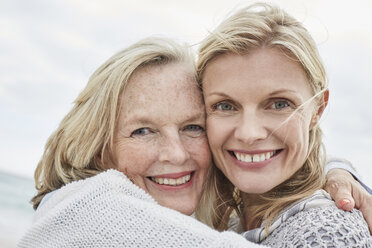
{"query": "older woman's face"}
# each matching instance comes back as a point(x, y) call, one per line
point(160, 140)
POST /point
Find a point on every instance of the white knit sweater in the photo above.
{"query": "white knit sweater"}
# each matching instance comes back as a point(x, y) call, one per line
point(108, 210)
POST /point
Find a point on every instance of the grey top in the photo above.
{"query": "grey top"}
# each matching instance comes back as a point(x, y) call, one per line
point(314, 221)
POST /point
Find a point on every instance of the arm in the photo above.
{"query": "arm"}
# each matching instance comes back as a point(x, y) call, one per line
point(346, 167)
point(345, 187)
point(109, 211)
point(348, 193)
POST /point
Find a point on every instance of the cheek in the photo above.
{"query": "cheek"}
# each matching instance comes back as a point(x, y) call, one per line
point(216, 130)
point(218, 133)
point(295, 135)
point(133, 160)
point(199, 151)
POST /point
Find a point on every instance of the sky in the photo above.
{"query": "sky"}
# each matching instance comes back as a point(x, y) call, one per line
point(49, 48)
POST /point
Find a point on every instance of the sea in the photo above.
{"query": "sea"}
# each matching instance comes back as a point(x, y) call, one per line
point(16, 211)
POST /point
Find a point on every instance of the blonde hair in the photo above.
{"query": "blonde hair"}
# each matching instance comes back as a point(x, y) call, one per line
point(81, 145)
point(262, 25)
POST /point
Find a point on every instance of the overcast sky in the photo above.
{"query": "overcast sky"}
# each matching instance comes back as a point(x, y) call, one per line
point(49, 48)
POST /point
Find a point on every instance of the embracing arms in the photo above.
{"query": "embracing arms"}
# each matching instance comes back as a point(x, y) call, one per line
point(346, 191)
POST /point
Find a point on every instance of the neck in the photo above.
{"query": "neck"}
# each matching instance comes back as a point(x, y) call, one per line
point(250, 204)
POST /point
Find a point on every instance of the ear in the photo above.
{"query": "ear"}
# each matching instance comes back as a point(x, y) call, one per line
point(323, 102)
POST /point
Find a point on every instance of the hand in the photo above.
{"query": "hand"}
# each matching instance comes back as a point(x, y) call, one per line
point(348, 193)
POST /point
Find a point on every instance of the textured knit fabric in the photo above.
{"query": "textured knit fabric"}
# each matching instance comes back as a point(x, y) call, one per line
point(314, 222)
point(108, 210)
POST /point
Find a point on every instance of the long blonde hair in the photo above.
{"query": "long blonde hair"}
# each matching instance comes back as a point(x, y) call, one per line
point(81, 145)
point(256, 26)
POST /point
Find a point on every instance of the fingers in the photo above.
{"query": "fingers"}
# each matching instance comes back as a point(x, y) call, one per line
point(345, 204)
point(366, 209)
point(341, 194)
point(348, 193)
point(339, 186)
point(363, 202)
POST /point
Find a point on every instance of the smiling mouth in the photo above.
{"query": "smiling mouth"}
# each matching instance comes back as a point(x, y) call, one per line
point(254, 158)
point(172, 181)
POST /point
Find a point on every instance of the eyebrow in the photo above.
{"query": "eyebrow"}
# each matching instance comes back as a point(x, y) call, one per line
point(279, 91)
point(276, 92)
point(218, 94)
point(195, 117)
point(143, 120)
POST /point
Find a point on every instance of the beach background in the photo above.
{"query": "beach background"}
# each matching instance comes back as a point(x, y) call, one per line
point(15, 209)
point(50, 48)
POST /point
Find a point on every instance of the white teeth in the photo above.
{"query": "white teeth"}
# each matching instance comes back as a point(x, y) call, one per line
point(268, 155)
point(171, 181)
point(262, 157)
point(179, 181)
point(238, 156)
point(248, 158)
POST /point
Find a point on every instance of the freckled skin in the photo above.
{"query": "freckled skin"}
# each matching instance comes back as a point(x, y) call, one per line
point(152, 89)
point(155, 134)
point(251, 85)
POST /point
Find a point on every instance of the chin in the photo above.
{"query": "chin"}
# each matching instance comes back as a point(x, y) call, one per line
point(188, 209)
point(185, 211)
point(256, 190)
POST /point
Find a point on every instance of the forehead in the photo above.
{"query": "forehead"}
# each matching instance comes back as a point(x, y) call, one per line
point(160, 79)
point(263, 68)
point(163, 90)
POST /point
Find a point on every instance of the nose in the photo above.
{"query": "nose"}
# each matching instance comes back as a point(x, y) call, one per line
point(173, 150)
point(250, 128)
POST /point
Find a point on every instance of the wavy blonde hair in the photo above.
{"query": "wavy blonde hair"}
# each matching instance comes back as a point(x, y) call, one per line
point(81, 145)
point(262, 25)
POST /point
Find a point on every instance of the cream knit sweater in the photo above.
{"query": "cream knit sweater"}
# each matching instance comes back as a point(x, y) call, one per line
point(108, 210)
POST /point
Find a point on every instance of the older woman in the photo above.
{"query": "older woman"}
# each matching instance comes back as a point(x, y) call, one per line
point(265, 90)
point(141, 114)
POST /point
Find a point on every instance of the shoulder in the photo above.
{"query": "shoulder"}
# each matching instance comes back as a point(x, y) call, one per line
point(322, 225)
point(108, 210)
point(104, 188)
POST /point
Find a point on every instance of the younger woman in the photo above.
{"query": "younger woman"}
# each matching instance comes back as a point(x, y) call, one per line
point(265, 89)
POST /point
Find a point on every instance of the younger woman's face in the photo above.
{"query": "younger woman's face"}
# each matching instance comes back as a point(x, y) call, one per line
point(257, 133)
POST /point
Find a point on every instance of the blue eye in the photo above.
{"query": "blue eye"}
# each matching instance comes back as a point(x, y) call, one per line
point(280, 104)
point(223, 106)
point(194, 128)
point(141, 131)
